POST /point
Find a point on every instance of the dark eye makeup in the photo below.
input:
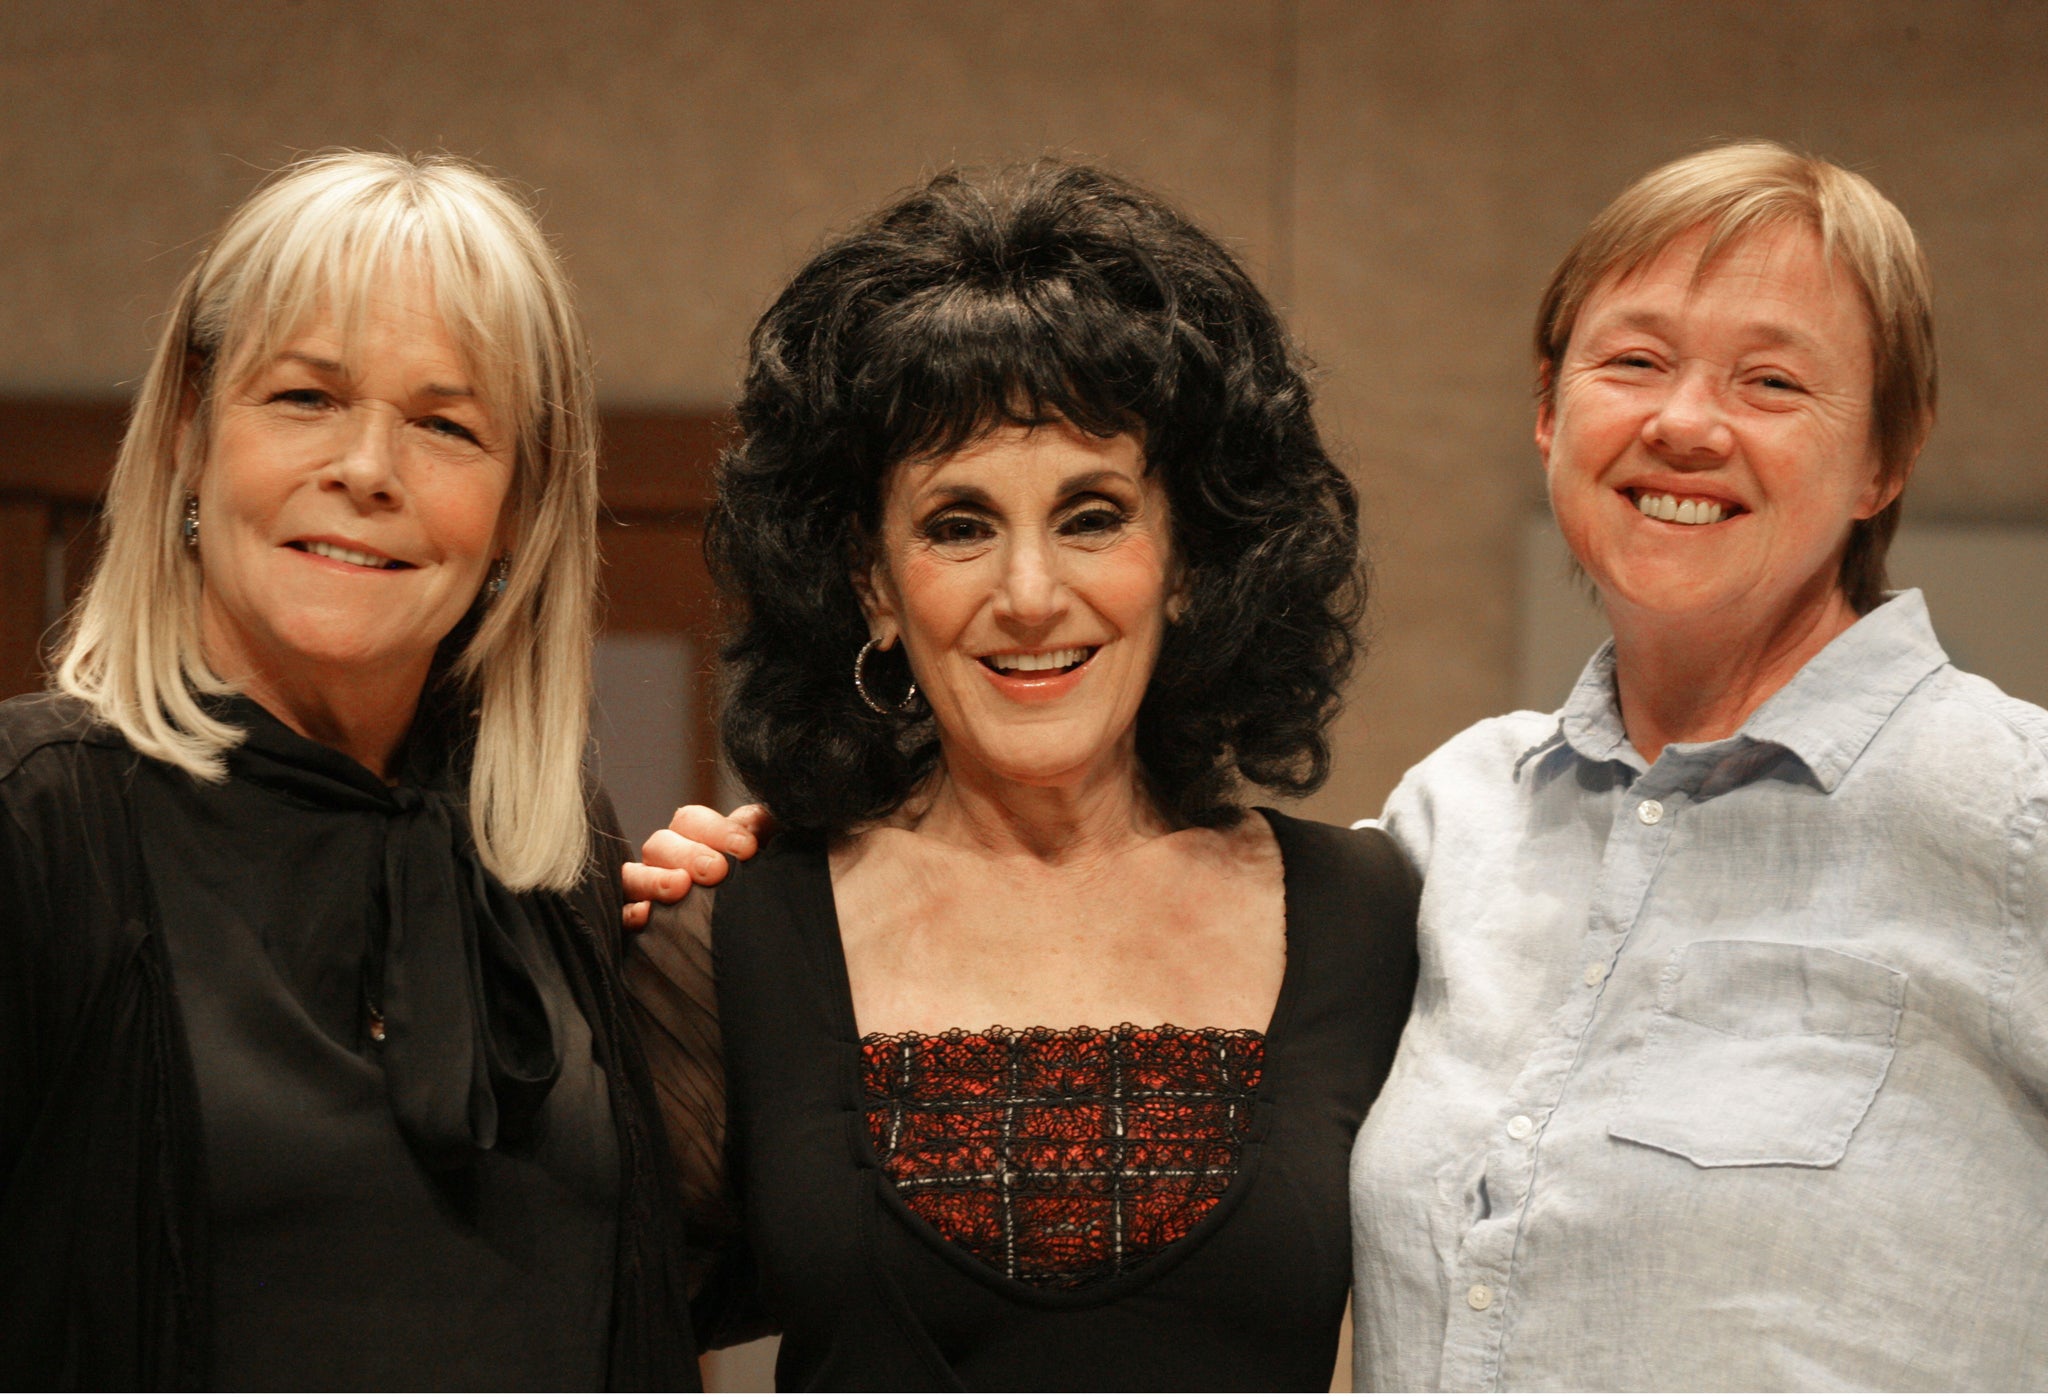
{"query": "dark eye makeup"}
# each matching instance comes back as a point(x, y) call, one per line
point(1088, 516)
point(956, 527)
point(1094, 517)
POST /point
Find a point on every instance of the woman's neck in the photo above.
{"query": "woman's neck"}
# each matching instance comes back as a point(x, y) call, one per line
point(1057, 903)
point(1100, 813)
point(361, 710)
point(1699, 679)
point(367, 727)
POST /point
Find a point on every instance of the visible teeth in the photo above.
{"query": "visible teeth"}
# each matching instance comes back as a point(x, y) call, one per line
point(1026, 660)
point(348, 555)
point(1673, 510)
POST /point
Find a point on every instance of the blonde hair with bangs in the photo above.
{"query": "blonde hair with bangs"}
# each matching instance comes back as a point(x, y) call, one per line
point(1734, 191)
point(322, 237)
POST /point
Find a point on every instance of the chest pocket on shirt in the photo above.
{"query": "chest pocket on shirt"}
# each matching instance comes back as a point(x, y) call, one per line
point(1762, 1053)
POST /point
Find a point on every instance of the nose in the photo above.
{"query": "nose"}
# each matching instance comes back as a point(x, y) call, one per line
point(1691, 426)
point(1030, 594)
point(366, 463)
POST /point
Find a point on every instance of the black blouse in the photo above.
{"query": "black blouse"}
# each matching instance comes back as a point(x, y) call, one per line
point(217, 1173)
point(354, 1247)
point(868, 1295)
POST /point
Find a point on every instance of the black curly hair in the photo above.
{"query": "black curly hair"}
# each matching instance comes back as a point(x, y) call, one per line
point(1048, 293)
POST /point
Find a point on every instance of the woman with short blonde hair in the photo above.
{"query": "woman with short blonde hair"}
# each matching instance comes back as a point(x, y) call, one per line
point(312, 1066)
point(1733, 192)
point(1729, 1071)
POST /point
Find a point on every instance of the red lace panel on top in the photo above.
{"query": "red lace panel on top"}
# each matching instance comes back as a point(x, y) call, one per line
point(1062, 1158)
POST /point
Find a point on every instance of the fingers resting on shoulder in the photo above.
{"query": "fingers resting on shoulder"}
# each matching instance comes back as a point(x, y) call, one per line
point(690, 852)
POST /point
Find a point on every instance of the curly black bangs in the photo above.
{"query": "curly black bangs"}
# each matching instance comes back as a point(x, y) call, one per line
point(945, 369)
point(1048, 296)
point(1051, 293)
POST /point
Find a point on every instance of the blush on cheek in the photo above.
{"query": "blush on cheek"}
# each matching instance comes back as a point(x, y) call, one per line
point(914, 569)
point(924, 593)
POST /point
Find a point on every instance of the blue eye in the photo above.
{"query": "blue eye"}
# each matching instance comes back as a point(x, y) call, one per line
point(447, 427)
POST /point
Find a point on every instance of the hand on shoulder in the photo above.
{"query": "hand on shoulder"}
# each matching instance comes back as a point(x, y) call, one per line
point(690, 852)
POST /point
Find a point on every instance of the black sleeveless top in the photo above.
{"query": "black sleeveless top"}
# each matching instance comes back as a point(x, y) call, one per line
point(868, 1295)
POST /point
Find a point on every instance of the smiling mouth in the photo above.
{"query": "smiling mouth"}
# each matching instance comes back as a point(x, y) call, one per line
point(1682, 509)
point(354, 556)
point(1041, 662)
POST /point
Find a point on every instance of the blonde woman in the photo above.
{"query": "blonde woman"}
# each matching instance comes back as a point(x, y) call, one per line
point(312, 1070)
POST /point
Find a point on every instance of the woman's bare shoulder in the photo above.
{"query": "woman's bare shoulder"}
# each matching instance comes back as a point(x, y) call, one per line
point(1248, 849)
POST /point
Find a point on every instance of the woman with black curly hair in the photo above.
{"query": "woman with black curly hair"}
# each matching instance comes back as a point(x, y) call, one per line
point(1042, 1056)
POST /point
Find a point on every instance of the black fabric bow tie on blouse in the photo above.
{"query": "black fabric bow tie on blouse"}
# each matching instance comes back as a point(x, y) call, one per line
point(469, 1049)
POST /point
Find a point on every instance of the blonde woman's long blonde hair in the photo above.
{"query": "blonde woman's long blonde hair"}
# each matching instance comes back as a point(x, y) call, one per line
point(320, 238)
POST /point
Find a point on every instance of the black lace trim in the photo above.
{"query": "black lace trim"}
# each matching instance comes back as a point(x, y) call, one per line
point(1062, 1157)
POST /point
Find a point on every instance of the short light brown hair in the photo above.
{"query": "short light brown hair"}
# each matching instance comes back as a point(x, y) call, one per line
point(1735, 191)
point(323, 235)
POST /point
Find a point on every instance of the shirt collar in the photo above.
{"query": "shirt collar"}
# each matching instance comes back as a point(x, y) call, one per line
point(1590, 721)
point(1825, 716)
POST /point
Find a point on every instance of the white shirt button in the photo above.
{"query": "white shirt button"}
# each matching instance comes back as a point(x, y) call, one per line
point(1521, 1128)
point(1479, 1297)
point(1650, 811)
point(1595, 973)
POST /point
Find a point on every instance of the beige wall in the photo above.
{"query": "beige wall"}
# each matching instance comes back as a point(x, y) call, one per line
point(1403, 174)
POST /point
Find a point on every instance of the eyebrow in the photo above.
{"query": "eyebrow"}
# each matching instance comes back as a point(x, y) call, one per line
point(1072, 485)
point(335, 369)
point(1088, 480)
point(311, 361)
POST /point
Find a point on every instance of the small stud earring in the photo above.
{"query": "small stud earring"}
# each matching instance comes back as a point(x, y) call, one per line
point(501, 573)
point(191, 528)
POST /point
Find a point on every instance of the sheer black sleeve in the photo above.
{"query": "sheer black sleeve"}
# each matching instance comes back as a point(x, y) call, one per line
point(670, 976)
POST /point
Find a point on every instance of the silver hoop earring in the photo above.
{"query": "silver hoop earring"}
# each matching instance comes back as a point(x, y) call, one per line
point(501, 573)
point(860, 685)
point(191, 528)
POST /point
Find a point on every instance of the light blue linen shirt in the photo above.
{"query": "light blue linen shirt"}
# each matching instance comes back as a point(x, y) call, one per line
point(1729, 1071)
